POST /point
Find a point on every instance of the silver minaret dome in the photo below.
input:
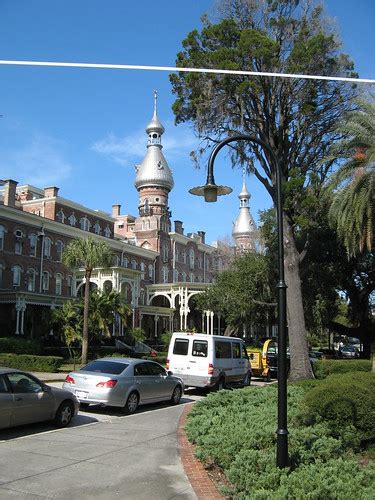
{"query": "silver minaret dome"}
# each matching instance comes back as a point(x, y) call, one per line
point(154, 169)
point(244, 225)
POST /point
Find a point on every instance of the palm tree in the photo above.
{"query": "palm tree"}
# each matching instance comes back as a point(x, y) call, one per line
point(87, 253)
point(104, 306)
point(352, 211)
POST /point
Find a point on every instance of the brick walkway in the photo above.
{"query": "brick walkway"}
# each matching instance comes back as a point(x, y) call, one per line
point(203, 486)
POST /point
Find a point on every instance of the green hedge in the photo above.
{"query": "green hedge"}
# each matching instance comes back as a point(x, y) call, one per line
point(19, 345)
point(29, 362)
point(345, 399)
point(235, 430)
point(327, 367)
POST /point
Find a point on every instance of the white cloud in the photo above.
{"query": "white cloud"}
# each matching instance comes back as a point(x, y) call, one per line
point(128, 150)
point(40, 163)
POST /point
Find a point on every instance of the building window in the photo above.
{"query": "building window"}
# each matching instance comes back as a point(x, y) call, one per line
point(191, 277)
point(165, 253)
point(184, 277)
point(107, 232)
point(191, 258)
point(97, 228)
point(142, 267)
point(33, 244)
point(72, 219)
point(58, 284)
point(2, 236)
point(124, 262)
point(69, 286)
point(150, 272)
point(165, 274)
point(31, 278)
point(134, 264)
point(47, 248)
point(1, 274)
point(19, 242)
point(60, 216)
point(184, 256)
point(59, 250)
point(16, 275)
point(175, 276)
point(45, 281)
point(85, 223)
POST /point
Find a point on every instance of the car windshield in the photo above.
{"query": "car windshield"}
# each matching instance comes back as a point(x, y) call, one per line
point(112, 367)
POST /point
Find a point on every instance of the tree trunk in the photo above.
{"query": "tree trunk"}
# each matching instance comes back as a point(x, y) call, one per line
point(300, 366)
point(85, 332)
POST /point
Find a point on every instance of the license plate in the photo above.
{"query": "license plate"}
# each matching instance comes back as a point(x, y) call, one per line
point(82, 394)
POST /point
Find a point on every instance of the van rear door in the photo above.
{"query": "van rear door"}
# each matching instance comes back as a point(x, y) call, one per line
point(199, 361)
point(179, 358)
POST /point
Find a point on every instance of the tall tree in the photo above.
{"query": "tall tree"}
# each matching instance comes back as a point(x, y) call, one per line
point(352, 212)
point(295, 117)
point(88, 254)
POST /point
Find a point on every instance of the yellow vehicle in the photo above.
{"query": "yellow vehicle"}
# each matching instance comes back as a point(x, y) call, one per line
point(258, 360)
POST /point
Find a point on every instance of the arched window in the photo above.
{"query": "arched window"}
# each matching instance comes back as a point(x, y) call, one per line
point(107, 232)
point(59, 250)
point(165, 253)
point(184, 277)
point(33, 244)
point(97, 228)
point(60, 216)
point(2, 237)
point(134, 264)
point(142, 268)
point(84, 223)
point(58, 284)
point(191, 277)
point(16, 275)
point(19, 242)
point(175, 276)
point(184, 256)
point(125, 262)
point(45, 281)
point(69, 284)
point(31, 279)
point(47, 247)
point(72, 219)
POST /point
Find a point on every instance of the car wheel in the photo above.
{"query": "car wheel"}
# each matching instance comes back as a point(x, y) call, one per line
point(176, 395)
point(247, 380)
point(64, 414)
point(84, 406)
point(131, 404)
point(267, 378)
point(220, 384)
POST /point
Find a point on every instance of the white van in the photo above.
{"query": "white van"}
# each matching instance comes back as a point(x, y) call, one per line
point(209, 361)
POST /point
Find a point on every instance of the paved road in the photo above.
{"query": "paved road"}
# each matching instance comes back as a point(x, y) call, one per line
point(102, 455)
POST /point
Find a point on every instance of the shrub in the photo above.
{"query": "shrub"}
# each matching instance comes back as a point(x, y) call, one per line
point(19, 345)
point(327, 367)
point(343, 400)
point(29, 362)
point(236, 431)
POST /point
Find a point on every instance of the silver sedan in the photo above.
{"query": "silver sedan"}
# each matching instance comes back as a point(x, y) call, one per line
point(123, 382)
point(24, 399)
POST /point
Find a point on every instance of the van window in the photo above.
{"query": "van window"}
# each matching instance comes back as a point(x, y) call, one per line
point(181, 347)
point(222, 349)
point(236, 350)
point(200, 348)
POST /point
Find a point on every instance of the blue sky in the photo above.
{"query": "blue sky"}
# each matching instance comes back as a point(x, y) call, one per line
point(83, 130)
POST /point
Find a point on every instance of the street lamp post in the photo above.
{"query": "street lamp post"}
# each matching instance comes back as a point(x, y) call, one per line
point(211, 191)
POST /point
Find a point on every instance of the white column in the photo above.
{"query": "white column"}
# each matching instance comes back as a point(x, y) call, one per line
point(17, 320)
point(23, 309)
point(156, 319)
point(212, 322)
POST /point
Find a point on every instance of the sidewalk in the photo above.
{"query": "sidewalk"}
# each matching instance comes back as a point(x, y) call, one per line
point(50, 377)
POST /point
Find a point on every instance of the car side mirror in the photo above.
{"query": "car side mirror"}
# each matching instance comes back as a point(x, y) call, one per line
point(46, 388)
point(169, 372)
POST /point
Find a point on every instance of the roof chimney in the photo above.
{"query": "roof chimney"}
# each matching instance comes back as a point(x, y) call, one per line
point(202, 234)
point(116, 209)
point(51, 192)
point(178, 227)
point(10, 192)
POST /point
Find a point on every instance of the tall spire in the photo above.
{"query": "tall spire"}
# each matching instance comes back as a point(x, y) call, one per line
point(244, 228)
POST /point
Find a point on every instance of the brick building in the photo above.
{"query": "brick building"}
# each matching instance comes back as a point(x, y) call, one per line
point(157, 268)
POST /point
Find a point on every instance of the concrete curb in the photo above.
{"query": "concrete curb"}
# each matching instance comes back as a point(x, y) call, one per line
point(201, 483)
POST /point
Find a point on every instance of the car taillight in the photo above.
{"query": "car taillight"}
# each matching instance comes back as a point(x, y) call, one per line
point(69, 379)
point(167, 364)
point(108, 384)
point(210, 369)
